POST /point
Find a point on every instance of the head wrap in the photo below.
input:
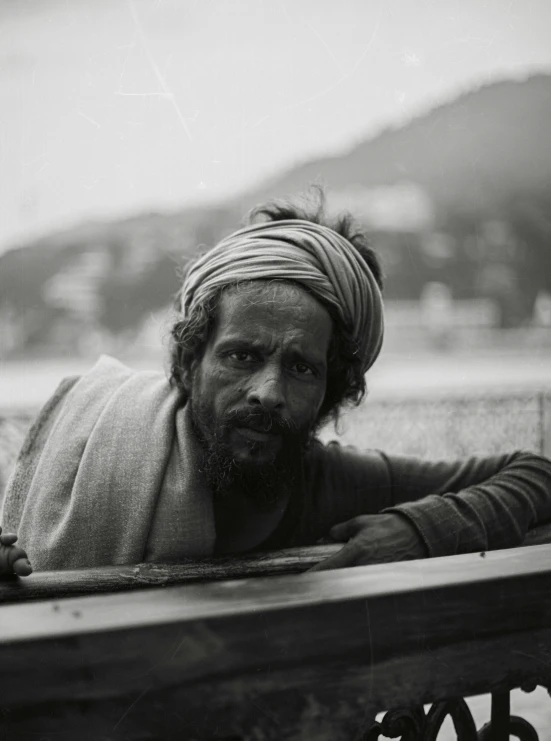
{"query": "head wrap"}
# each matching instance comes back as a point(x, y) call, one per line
point(295, 250)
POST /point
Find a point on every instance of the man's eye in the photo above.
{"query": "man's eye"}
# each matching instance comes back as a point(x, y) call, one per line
point(241, 356)
point(303, 369)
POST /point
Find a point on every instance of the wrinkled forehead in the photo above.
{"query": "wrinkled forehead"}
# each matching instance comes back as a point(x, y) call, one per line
point(274, 291)
point(278, 305)
point(275, 294)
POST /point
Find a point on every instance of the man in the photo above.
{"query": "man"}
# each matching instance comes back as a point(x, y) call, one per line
point(277, 326)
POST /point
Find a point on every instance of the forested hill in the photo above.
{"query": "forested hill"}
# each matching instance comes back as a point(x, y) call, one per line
point(476, 151)
point(486, 153)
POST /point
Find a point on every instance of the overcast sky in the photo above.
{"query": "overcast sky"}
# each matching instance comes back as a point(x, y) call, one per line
point(112, 106)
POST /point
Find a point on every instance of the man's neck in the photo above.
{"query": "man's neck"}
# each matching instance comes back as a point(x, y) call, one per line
point(241, 524)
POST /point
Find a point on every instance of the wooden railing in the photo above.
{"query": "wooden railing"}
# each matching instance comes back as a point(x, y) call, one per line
point(251, 648)
point(271, 656)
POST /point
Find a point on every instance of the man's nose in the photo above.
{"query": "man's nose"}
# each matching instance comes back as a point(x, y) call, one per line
point(267, 389)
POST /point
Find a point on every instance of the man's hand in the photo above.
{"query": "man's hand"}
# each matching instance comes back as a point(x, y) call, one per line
point(374, 539)
point(13, 559)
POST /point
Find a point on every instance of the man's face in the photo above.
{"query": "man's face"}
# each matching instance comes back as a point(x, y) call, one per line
point(258, 389)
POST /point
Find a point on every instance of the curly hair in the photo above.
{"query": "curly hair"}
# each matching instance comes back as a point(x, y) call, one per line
point(345, 380)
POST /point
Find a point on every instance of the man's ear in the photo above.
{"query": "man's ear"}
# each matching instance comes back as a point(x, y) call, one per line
point(188, 366)
point(185, 377)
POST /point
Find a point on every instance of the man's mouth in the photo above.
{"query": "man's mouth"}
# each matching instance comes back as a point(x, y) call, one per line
point(256, 434)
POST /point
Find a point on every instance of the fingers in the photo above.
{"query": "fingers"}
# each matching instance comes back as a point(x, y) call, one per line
point(14, 560)
point(22, 567)
point(8, 538)
point(347, 556)
point(14, 554)
point(344, 531)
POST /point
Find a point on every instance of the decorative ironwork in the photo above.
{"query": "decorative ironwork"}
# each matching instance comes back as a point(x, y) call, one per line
point(415, 725)
point(461, 716)
point(408, 725)
point(518, 728)
point(503, 725)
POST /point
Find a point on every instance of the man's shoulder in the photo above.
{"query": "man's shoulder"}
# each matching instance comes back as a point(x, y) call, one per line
point(49, 412)
point(335, 448)
point(332, 454)
point(21, 435)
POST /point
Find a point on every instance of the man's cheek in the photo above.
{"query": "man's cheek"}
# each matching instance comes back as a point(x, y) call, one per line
point(306, 411)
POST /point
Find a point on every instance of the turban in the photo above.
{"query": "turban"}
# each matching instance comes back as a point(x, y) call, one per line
point(302, 252)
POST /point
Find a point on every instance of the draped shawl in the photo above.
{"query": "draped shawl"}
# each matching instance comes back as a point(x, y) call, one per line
point(110, 474)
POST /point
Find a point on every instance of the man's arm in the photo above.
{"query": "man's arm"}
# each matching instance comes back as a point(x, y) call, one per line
point(482, 503)
point(410, 508)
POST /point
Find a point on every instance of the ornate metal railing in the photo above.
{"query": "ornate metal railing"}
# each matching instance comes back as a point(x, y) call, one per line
point(418, 725)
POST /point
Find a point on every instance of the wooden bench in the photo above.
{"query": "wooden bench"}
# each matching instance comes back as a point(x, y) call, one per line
point(181, 652)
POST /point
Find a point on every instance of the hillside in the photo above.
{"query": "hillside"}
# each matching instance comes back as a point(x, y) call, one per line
point(482, 157)
point(103, 278)
point(475, 151)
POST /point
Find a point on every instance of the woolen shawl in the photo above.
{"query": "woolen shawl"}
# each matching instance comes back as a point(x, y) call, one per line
point(110, 474)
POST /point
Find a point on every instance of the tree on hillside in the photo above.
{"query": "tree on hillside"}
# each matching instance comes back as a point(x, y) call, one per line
point(126, 304)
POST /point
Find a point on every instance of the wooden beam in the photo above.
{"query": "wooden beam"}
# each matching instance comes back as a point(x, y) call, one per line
point(58, 584)
point(288, 655)
point(107, 579)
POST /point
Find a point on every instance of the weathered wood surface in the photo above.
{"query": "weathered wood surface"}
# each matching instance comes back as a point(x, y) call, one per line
point(44, 585)
point(58, 584)
point(309, 656)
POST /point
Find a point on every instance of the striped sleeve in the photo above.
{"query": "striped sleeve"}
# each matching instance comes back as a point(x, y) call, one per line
point(472, 505)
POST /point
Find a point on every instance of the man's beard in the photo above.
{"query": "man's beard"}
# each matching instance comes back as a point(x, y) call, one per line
point(264, 482)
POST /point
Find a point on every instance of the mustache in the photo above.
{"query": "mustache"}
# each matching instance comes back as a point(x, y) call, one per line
point(261, 419)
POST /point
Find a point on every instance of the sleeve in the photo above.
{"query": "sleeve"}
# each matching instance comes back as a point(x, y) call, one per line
point(464, 506)
point(340, 483)
point(480, 503)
